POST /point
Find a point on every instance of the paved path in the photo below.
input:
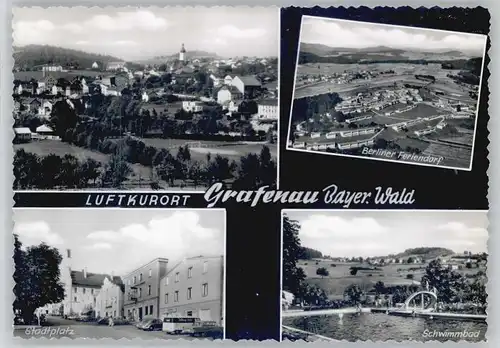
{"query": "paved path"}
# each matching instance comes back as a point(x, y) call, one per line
point(60, 327)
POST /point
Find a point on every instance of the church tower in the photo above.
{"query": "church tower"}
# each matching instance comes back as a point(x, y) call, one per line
point(67, 281)
point(182, 53)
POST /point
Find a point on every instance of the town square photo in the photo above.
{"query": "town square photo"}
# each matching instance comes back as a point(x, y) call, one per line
point(386, 92)
point(145, 98)
point(111, 273)
point(377, 275)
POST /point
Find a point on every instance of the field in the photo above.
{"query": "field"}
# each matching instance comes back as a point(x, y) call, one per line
point(59, 148)
point(232, 150)
point(339, 277)
point(452, 156)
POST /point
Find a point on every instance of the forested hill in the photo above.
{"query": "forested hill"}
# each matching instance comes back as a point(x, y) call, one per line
point(32, 56)
point(308, 254)
point(426, 252)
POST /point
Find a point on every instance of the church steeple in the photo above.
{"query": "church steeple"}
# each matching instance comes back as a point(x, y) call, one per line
point(182, 53)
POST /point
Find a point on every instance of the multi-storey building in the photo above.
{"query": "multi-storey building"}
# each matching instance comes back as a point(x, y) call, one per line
point(109, 301)
point(194, 287)
point(142, 289)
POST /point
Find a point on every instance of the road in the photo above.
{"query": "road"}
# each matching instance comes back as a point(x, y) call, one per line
point(59, 327)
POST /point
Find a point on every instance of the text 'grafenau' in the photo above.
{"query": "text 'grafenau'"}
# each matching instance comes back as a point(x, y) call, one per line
point(332, 194)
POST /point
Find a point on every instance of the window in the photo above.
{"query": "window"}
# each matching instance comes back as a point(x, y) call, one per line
point(189, 293)
point(91, 291)
point(140, 292)
point(189, 313)
point(150, 309)
point(150, 273)
point(140, 277)
point(166, 298)
point(75, 290)
point(176, 296)
point(145, 310)
point(205, 267)
point(166, 281)
point(190, 272)
point(177, 277)
point(135, 279)
point(149, 289)
point(114, 313)
point(75, 300)
point(84, 291)
point(204, 290)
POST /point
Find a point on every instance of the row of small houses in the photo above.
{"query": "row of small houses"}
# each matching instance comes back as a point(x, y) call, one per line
point(24, 134)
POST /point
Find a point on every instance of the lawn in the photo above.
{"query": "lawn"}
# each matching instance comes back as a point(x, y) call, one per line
point(138, 178)
point(233, 150)
point(339, 277)
point(421, 110)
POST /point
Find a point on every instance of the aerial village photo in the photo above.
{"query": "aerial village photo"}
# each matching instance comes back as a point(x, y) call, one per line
point(101, 273)
point(151, 99)
point(385, 92)
point(384, 275)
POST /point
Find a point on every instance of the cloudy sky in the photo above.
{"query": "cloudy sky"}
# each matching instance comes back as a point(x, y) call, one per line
point(370, 233)
point(351, 34)
point(130, 33)
point(119, 241)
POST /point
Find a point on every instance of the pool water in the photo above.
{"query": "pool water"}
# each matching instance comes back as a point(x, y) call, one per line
point(383, 327)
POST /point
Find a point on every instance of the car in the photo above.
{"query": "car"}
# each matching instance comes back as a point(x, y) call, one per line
point(140, 324)
point(152, 325)
point(103, 321)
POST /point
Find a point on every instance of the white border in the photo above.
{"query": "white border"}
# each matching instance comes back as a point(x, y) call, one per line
point(224, 279)
point(278, 145)
point(382, 159)
point(435, 211)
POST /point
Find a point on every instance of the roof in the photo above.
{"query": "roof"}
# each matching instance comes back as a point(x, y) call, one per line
point(44, 128)
point(93, 280)
point(184, 260)
point(249, 80)
point(268, 102)
point(231, 89)
point(22, 130)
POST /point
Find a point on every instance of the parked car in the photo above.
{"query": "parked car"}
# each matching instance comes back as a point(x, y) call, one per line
point(103, 321)
point(206, 329)
point(152, 325)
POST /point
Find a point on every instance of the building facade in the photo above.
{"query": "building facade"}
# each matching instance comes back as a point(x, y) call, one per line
point(110, 299)
point(268, 109)
point(194, 287)
point(142, 290)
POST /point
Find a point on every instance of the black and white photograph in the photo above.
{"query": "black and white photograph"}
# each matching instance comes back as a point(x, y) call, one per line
point(385, 92)
point(375, 275)
point(110, 273)
point(172, 98)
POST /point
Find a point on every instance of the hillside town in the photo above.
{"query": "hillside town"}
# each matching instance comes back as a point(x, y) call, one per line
point(209, 106)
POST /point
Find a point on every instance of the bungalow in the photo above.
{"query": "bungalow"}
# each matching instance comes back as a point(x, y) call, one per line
point(228, 80)
point(228, 93)
point(247, 85)
point(268, 109)
point(45, 109)
point(192, 106)
point(56, 89)
point(22, 134)
point(32, 104)
point(217, 81)
point(44, 130)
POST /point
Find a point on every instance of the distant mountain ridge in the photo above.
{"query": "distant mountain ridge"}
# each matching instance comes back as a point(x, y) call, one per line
point(324, 50)
point(31, 56)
